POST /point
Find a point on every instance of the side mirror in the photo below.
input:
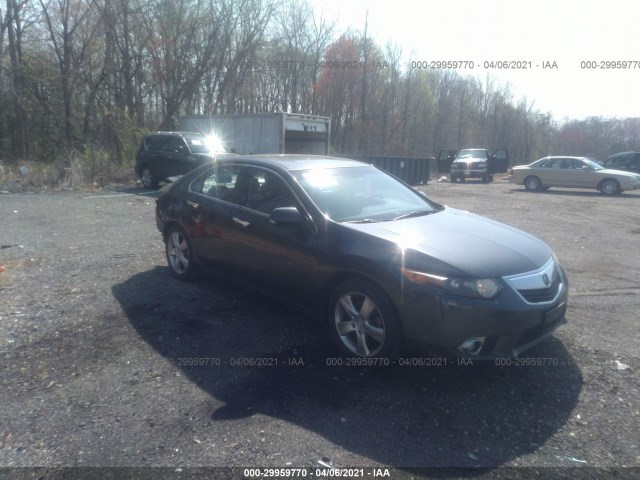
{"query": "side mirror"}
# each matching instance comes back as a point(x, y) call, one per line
point(286, 217)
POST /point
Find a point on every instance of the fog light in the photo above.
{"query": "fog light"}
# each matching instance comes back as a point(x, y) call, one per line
point(472, 346)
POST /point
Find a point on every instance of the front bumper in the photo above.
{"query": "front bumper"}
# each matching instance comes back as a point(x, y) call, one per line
point(469, 173)
point(508, 325)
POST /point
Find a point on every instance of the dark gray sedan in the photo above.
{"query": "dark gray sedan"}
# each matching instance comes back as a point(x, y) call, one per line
point(384, 267)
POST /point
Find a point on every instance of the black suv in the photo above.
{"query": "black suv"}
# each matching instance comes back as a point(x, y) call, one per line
point(165, 154)
point(628, 161)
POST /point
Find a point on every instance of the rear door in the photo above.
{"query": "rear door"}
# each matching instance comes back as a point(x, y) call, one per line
point(499, 161)
point(445, 159)
point(210, 207)
point(176, 155)
point(559, 173)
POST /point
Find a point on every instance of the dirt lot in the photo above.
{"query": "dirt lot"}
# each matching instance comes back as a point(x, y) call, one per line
point(98, 342)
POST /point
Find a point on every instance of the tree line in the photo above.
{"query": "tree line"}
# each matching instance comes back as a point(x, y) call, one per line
point(94, 75)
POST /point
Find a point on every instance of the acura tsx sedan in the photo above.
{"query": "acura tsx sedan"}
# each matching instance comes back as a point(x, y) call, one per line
point(385, 268)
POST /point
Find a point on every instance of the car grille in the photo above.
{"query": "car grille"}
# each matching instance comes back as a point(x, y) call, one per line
point(476, 164)
point(539, 295)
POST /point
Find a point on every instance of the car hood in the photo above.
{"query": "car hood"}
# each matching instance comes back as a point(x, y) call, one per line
point(620, 173)
point(475, 245)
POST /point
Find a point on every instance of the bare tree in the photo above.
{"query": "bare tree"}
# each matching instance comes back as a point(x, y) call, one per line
point(63, 19)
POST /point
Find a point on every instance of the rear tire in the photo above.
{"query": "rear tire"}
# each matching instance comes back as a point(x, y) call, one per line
point(362, 320)
point(532, 183)
point(179, 252)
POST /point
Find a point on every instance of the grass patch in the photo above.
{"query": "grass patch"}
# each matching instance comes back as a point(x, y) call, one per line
point(90, 170)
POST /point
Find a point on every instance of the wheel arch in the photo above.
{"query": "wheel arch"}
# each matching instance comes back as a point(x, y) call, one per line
point(532, 176)
point(395, 343)
point(342, 276)
point(613, 179)
point(167, 226)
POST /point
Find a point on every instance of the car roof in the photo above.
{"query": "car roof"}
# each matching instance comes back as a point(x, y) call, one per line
point(182, 134)
point(622, 154)
point(566, 156)
point(292, 162)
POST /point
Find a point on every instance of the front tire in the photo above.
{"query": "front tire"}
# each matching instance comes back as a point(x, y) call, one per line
point(180, 255)
point(533, 184)
point(362, 320)
point(610, 187)
point(147, 178)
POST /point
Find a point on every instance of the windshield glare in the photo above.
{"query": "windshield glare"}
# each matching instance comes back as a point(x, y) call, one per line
point(365, 193)
point(206, 144)
point(472, 153)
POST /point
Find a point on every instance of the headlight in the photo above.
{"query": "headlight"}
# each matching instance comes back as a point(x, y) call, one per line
point(486, 288)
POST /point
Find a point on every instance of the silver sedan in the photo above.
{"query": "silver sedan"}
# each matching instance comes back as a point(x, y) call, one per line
point(573, 172)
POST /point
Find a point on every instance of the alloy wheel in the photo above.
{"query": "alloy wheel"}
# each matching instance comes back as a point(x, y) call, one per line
point(359, 324)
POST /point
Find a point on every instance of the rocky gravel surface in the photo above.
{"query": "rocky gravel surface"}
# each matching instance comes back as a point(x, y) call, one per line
point(108, 361)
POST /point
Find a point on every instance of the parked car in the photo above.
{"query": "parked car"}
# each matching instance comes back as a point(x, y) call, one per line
point(573, 172)
point(627, 161)
point(165, 154)
point(473, 163)
point(383, 266)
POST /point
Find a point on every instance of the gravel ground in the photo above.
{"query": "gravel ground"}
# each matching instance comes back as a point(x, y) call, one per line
point(107, 361)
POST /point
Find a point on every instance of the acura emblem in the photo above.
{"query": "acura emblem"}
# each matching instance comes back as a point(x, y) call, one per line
point(545, 279)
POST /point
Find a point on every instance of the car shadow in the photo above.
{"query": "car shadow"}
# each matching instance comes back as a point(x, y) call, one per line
point(136, 190)
point(576, 193)
point(404, 416)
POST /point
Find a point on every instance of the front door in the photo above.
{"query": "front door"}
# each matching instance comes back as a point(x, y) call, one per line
point(445, 159)
point(279, 260)
point(499, 161)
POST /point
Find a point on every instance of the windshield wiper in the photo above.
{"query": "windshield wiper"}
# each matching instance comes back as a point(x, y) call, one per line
point(362, 220)
point(415, 213)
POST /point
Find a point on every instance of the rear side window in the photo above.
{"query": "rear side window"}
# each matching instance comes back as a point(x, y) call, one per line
point(154, 142)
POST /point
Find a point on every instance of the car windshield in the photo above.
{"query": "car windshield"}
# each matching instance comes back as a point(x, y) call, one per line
point(362, 194)
point(472, 153)
point(593, 165)
point(206, 144)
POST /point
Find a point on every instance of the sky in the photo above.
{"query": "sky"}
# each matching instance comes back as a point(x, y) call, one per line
point(534, 33)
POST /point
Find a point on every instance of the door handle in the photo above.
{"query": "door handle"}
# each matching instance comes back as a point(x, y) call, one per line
point(192, 204)
point(240, 222)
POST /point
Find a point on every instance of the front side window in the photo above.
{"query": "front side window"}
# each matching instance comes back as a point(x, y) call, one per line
point(265, 191)
point(173, 144)
point(591, 164)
